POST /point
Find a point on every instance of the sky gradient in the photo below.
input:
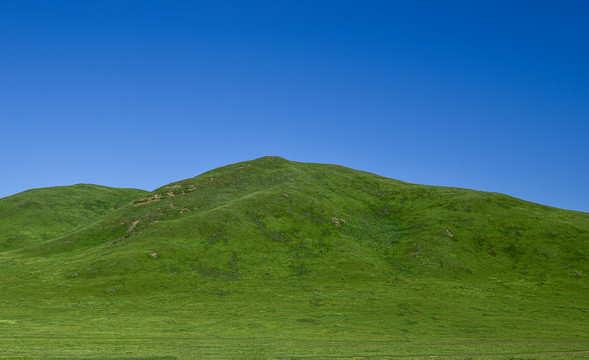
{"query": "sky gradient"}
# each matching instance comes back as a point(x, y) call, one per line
point(486, 95)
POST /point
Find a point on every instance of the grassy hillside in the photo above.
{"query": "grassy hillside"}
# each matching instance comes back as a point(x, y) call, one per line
point(38, 215)
point(276, 259)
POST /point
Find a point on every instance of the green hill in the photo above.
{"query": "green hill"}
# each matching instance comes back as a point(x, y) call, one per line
point(37, 215)
point(277, 259)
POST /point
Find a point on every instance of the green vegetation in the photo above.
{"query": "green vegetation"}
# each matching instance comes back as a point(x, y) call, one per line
point(277, 259)
point(37, 215)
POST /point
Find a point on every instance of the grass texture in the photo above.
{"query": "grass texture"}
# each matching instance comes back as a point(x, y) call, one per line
point(277, 259)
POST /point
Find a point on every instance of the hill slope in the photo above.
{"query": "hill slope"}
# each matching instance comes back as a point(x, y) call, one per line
point(41, 214)
point(304, 214)
point(273, 258)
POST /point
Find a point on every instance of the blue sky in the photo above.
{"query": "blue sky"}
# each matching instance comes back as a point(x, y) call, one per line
point(487, 95)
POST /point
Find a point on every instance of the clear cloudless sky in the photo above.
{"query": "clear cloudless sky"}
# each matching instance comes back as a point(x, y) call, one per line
point(487, 95)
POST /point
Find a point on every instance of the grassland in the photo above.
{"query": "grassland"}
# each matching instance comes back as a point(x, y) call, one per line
point(38, 215)
point(277, 259)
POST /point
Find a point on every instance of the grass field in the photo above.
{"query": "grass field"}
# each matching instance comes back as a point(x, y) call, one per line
point(277, 259)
